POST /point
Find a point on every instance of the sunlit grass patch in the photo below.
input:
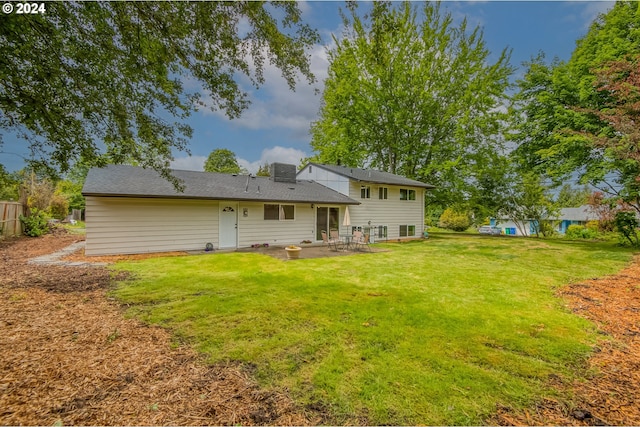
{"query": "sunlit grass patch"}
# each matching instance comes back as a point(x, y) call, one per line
point(429, 332)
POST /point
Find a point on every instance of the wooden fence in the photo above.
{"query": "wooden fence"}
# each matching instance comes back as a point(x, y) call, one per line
point(10, 224)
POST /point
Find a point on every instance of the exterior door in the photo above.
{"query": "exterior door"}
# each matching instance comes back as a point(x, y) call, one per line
point(228, 226)
point(327, 218)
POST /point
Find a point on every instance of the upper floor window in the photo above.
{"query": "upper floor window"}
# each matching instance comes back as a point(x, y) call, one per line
point(365, 192)
point(382, 193)
point(406, 194)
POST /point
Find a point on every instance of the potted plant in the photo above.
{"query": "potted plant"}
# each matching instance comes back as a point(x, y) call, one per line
point(293, 251)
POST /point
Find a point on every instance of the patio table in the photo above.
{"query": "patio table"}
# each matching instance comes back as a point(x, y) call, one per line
point(347, 239)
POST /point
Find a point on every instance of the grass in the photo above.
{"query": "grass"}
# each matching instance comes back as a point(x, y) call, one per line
point(430, 332)
point(77, 228)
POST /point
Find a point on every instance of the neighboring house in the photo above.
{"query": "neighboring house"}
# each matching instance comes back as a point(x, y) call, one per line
point(566, 217)
point(510, 228)
point(391, 206)
point(575, 216)
point(134, 210)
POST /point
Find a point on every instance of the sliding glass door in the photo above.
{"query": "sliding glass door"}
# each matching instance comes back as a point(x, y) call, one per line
point(327, 219)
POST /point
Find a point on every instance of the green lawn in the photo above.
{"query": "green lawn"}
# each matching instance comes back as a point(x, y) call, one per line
point(430, 332)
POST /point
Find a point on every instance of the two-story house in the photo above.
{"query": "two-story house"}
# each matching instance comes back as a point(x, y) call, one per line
point(134, 210)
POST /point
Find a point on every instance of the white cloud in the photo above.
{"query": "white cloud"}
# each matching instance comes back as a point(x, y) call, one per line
point(274, 105)
point(274, 154)
point(595, 8)
point(268, 155)
point(190, 163)
point(588, 12)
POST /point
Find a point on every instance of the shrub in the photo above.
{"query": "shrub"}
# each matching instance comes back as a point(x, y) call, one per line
point(59, 206)
point(456, 221)
point(35, 225)
point(580, 232)
point(547, 228)
point(594, 225)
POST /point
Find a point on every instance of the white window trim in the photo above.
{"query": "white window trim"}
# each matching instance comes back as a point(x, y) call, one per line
point(409, 191)
point(384, 192)
point(407, 234)
point(367, 189)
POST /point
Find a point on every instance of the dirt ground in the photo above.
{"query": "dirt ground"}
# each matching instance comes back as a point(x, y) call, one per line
point(69, 356)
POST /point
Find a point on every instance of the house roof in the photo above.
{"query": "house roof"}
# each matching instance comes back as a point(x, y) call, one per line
point(131, 181)
point(370, 175)
point(583, 213)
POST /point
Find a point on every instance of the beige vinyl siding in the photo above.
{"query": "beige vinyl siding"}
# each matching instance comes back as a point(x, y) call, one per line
point(255, 229)
point(391, 212)
point(118, 225)
point(329, 179)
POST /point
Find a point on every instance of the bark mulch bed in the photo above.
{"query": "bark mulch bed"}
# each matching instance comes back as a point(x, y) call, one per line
point(69, 356)
point(611, 395)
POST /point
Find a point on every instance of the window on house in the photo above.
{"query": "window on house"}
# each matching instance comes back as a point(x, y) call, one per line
point(406, 194)
point(279, 212)
point(407, 230)
point(382, 232)
point(272, 212)
point(382, 193)
point(287, 212)
point(365, 192)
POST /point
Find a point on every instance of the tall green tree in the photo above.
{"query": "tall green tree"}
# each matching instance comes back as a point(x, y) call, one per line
point(222, 160)
point(103, 81)
point(410, 93)
point(577, 118)
point(490, 194)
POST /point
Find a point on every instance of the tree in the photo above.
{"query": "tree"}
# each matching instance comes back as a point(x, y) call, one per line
point(8, 185)
point(570, 197)
point(264, 170)
point(36, 190)
point(71, 186)
point(619, 83)
point(530, 201)
point(415, 97)
point(580, 117)
point(222, 160)
point(627, 225)
point(490, 195)
point(102, 82)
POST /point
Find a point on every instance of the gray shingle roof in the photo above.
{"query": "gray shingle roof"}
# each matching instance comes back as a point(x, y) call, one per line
point(369, 175)
point(583, 213)
point(131, 181)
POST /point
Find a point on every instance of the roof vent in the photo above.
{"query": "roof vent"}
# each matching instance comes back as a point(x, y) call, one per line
point(282, 172)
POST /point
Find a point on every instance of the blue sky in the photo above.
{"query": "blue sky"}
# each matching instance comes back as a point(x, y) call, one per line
point(276, 125)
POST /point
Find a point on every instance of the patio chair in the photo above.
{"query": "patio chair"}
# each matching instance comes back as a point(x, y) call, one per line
point(366, 242)
point(329, 242)
point(334, 236)
point(357, 240)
